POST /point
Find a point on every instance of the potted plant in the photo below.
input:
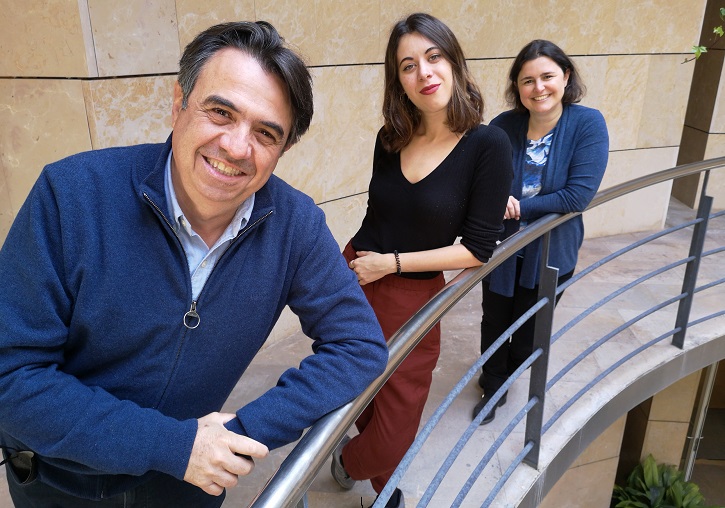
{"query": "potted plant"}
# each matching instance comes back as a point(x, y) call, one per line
point(651, 485)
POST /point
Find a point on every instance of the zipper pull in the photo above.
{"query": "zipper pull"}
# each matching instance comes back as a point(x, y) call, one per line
point(191, 318)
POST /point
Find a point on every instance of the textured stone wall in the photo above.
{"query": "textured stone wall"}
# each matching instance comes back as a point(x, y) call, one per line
point(83, 74)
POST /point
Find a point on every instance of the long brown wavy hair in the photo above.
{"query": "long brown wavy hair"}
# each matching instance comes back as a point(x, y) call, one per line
point(401, 117)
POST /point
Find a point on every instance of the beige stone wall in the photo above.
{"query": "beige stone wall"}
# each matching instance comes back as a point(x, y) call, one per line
point(84, 74)
point(659, 426)
point(121, 58)
point(703, 136)
point(588, 482)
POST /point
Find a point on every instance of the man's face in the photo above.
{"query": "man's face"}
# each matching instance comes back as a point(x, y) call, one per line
point(227, 141)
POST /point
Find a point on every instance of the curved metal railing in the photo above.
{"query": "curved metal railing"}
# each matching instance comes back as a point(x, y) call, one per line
point(288, 485)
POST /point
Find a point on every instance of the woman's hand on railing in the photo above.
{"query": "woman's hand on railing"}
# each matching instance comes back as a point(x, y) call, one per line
point(513, 210)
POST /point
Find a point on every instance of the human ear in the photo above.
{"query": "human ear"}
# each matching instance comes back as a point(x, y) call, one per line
point(177, 104)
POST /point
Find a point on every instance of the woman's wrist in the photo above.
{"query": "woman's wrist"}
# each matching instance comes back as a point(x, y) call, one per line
point(396, 263)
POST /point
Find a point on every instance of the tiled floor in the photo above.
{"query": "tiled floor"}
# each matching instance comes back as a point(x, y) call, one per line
point(460, 349)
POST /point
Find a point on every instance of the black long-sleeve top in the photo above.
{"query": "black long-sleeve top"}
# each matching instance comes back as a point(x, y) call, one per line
point(464, 196)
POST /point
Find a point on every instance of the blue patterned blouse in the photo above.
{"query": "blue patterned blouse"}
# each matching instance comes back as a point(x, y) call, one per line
point(537, 153)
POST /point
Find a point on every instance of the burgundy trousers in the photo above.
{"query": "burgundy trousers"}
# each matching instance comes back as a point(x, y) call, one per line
point(387, 427)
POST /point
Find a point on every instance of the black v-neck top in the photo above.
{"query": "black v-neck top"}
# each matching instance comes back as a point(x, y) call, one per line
point(464, 196)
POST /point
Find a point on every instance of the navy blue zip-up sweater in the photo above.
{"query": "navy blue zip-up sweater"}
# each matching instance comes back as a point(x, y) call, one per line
point(100, 377)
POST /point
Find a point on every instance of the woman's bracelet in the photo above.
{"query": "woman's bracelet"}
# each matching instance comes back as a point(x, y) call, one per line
point(397, 262)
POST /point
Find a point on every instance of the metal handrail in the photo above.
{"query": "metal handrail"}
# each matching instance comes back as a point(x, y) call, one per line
point(297, 472)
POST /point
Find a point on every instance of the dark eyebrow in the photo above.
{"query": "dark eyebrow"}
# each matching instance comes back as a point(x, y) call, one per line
point(221, 101)
point(545, 73)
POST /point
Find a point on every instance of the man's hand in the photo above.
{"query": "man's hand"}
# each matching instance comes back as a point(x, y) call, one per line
point(215, 463)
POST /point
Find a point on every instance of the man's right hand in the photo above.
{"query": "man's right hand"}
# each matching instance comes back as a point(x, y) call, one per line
point(215, 462)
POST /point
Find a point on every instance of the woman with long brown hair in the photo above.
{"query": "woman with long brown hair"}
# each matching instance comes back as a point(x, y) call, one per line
point(438, 174)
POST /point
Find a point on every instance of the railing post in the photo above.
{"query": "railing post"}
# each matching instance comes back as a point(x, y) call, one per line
point(548, 277)
point(688, 283)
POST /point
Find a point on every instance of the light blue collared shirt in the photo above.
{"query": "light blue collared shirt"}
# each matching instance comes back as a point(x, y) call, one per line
point(200, 257)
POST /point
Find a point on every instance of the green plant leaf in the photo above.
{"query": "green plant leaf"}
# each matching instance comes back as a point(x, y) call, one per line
point(637, 473)
point(722, 13)
point(638, 504)
point(718, 30)
point(675, 494)
point(625, 503)
point(651, 472)
point(619, 495)
point(692, 498)
point(667, 477)
point(699, 50)
point(674, 476)
point(652, 485)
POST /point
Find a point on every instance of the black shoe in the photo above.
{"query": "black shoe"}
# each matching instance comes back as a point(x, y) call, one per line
point(491, 414)
point(396, 500)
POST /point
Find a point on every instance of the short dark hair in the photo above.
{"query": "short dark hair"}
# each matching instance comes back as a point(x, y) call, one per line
point(402, 118)
point(261, 41)
point(575, 89)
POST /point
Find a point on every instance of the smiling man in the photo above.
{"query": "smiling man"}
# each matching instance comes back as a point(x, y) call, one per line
point(139, 283)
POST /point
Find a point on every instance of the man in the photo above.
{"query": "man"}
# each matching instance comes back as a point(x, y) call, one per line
point(139, 282)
